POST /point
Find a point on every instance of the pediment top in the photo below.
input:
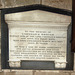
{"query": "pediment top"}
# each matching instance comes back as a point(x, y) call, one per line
point(37, 16)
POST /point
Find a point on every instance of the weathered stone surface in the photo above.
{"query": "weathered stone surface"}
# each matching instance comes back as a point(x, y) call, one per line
point(8, 73)
point(26, 2)
point(33, 72)
point(1, 3)
point(72, 73)
point(18, 3)
point(64, 4)
point(9, 3)
point(25, 72)
point(50, 73)
point(17, 72)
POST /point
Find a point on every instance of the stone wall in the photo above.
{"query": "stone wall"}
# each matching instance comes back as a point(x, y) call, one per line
point(36, 72)
point(63, 4)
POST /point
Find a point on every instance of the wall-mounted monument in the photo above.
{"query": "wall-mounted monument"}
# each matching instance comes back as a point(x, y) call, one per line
point(38, 39)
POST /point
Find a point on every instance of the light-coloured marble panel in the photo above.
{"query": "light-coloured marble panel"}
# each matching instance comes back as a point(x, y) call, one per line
point(26, 40)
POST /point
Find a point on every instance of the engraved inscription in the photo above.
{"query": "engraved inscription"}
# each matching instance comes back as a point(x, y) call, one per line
point(38, 43)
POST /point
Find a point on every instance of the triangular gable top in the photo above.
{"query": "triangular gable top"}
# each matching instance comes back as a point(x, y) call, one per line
point(38, 15)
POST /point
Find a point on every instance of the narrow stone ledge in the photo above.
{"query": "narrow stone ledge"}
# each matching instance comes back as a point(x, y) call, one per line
point(50, 73)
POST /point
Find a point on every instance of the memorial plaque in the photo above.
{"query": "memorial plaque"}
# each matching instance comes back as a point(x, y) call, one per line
point(37, 36)
point(42, 42)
